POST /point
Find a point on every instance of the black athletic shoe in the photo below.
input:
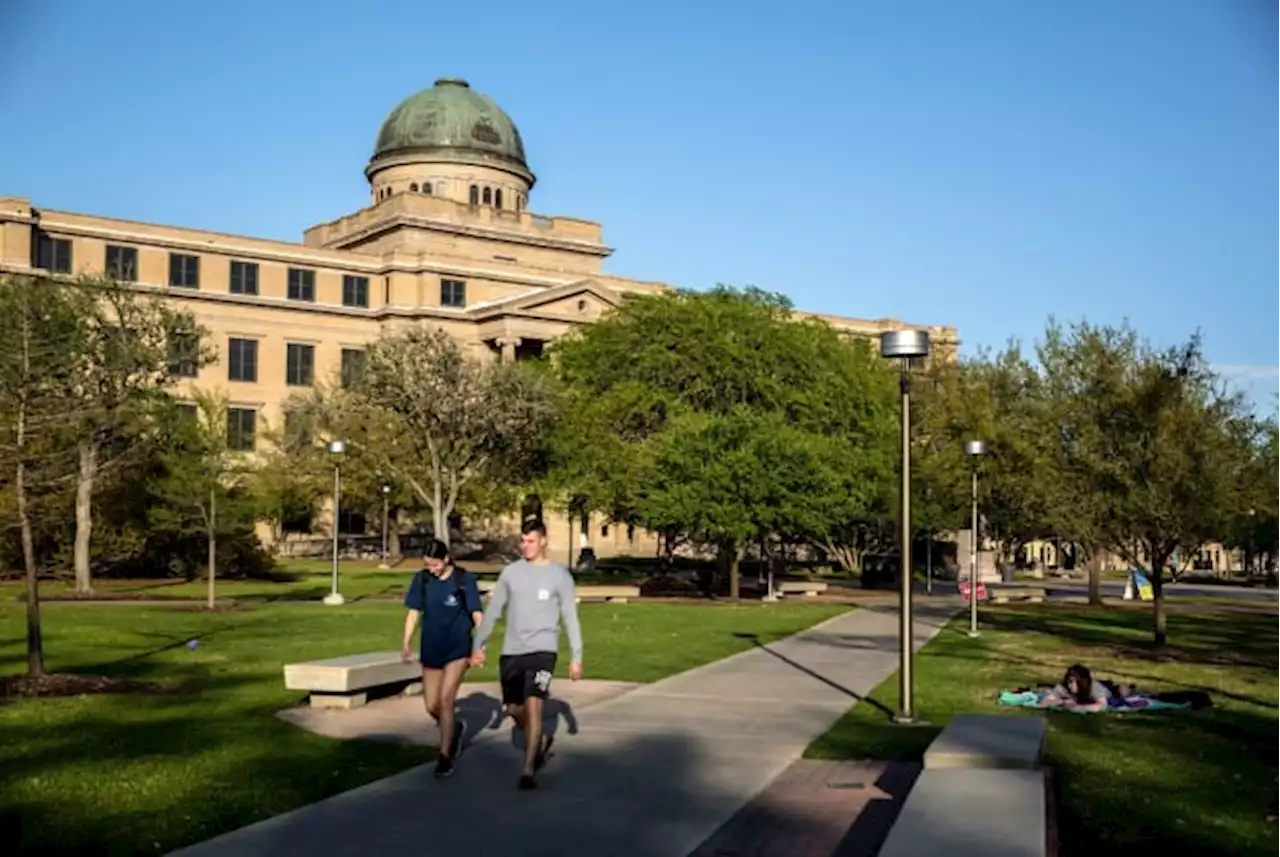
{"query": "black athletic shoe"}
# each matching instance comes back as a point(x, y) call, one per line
point(527, 783)
point(444, 767)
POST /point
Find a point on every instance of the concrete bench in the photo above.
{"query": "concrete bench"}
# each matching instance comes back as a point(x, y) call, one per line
point(615, 594)
point(987, 741)
point(971, 813)
point(1028, 594)
point(808, 588)
point(345, 682)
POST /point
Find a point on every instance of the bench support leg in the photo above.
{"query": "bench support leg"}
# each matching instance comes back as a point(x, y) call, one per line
point(339, 700)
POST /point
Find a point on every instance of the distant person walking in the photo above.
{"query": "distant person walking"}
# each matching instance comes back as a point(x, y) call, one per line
point(447, 601)
point(537, 595)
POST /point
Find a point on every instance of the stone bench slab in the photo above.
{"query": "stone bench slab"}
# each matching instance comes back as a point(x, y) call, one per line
point(351, 673)
point(802, 587)
point(987, 741)
point(971, 813)
point(1006, 594)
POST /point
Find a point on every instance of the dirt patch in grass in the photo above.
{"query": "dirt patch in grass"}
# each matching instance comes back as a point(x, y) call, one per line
point(71, 684)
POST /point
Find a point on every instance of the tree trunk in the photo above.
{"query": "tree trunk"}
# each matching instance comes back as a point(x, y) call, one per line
point(84, 515)
point(1094, 567)
point(733, 557)
point(393, 534)
point(212, 534)
point(439, 514)
point(35, 641)
point(1157, 601)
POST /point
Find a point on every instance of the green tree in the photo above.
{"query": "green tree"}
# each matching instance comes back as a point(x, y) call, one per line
point(205, 485)
point(1144, 450)
point(670, 376)
point(290, 479)
point(43, 333)
point(133, 346)
point(998, 399)
point(437, 422)
point(725, 478)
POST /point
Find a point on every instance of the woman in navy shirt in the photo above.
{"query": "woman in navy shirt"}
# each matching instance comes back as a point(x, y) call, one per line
point(447, 601)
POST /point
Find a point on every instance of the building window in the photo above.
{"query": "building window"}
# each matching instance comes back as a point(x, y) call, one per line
point(51, 254)
point(242, 360)
point(488, 196)
point(352, 367)
point(426, 188)
point(474, 196)
point(355, 291)
point(453, 293)
point(300, 365)
point(183, 351)
point(302, 285)
point(122, 263)
point(184, 271)
point(497, 198)
point(188, 413)
point(413, 187)
point(244, 278)
point(241, 425)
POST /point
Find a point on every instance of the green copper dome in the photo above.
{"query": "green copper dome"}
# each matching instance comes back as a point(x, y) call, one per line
point(452, 122)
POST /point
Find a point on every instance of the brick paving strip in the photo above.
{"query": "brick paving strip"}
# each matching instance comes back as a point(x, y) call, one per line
point(653, 772)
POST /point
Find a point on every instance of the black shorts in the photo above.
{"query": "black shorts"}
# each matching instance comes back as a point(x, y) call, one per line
point(523, 676)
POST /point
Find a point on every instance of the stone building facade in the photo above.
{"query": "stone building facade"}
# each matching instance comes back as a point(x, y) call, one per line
point(447, 238)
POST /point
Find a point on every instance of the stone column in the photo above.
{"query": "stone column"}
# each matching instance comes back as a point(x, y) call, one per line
point(509, 345)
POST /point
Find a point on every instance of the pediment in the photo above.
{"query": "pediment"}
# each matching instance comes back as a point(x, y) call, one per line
point(582, 300)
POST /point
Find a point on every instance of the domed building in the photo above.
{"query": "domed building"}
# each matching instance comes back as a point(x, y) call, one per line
point(447, 238)
point(453, 142)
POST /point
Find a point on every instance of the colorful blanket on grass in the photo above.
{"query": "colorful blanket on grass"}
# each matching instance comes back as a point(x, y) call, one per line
point(1117, 704)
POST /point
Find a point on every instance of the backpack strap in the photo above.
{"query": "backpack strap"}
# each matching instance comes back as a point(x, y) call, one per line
point(460, 576)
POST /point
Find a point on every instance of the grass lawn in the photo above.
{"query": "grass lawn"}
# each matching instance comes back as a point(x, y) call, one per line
point(299, 580)
point(1199, 782)
point(143, 774)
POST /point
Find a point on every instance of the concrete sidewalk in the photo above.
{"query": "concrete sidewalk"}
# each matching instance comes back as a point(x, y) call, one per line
point(652, 773)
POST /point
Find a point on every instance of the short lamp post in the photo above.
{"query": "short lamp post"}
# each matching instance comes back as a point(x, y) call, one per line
point(904, 346)
point(386, 495)
point(975, 449)
point(336, 448)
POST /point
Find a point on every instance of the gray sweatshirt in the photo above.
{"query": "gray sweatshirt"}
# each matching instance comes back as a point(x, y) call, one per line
point(536, 598)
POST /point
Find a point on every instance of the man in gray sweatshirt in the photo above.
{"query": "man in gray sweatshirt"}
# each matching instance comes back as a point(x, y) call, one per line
point(537, 595)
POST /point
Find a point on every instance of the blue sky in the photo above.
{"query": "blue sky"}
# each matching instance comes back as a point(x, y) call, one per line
point(982, 164)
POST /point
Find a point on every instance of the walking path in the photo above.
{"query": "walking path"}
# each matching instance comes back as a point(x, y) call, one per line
point(652, 773)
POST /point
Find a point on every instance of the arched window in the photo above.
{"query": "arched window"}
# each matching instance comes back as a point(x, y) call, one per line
point(426, 188)
point(488, 196)
point(413, 187)
point(474, 197)
point(497, 197)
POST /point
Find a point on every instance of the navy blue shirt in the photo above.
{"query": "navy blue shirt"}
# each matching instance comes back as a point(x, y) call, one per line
point(446, 615)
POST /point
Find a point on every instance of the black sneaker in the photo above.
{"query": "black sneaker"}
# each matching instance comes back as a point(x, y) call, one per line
point(444, 767)
point(527, 783)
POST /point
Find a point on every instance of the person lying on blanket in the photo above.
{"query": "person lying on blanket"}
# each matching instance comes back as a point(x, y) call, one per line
point(1078, 690)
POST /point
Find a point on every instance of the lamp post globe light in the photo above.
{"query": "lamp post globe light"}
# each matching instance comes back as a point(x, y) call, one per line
point(904, 346)
point(975, 449)
point(386, 494)
point(336, 449)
